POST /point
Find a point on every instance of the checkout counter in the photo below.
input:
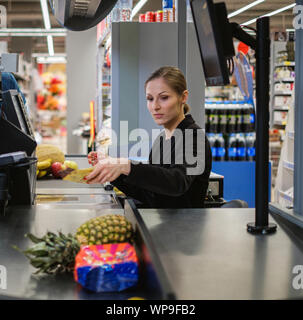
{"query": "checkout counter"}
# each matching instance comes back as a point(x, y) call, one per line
point(184, 254)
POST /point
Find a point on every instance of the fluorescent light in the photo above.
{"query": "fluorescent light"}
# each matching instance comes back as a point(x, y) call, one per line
point(245, 8)
point(45, 55)
point(51, 60)
point(138, 6)
point(280, 10)
point(45, 14)
point(47, 25)
point(50, 44)
point(31, 32)
point(269, 14)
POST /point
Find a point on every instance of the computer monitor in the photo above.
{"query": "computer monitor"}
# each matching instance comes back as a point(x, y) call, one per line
point(214, 40)
point(15, 127)
point(16, 134)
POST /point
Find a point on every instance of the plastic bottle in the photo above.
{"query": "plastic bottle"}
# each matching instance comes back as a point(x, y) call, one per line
point(116, 12)
point(206, 120)
point(168, 10)
point(232, 147)
point(251, 147)
point(220, 147)
point(126, 10)
point(231, 119)
point(241, 147)
point(246, 118)
point(222, 119)
point(212, 142)
point(213, 120)
point(251, 118)
point(239, 118)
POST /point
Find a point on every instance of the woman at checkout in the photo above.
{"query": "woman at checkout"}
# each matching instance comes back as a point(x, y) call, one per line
point(176, 183)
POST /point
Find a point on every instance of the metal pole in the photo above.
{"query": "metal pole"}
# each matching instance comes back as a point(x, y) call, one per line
point(262, 129)
point(182, 35)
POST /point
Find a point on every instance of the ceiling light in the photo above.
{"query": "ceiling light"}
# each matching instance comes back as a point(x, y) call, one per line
point(137, 7)
point(50, 45)
point(31, 32)
point(45, 14)
point(47, 25)
point(45, 60)
point(269, 14)
point(245, 8)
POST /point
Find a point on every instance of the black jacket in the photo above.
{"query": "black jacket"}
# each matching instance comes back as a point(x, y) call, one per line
point(161, 185)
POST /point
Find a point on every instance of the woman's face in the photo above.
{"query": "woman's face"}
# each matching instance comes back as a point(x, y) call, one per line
point(164, 104)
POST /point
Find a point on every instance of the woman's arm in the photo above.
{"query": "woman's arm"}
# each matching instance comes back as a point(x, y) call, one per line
point(130, 190)
point(172, 181)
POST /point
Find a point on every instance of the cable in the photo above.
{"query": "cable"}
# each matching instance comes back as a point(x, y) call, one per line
point(250, 28)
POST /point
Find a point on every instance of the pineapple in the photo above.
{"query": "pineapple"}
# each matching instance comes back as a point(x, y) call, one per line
point(105, 229)
point(55, 254)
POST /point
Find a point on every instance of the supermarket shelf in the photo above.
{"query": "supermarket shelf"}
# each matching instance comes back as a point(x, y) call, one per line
point(284, 80)
point(285, 64)
point(279, 123)
point(281, 109)
point(275, 144)
point(286, 196)
point(283, 93)
point(288, 165)
point(104, 38)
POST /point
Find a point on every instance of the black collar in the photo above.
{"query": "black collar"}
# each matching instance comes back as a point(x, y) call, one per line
point(186, 122)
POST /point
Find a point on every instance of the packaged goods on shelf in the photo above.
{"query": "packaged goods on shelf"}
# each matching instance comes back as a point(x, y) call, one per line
point(233, 147)
point(229, 118)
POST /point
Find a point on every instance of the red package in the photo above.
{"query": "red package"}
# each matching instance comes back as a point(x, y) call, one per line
point(107, 268)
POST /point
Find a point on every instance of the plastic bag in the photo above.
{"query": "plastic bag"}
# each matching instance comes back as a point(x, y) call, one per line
point(107, 268)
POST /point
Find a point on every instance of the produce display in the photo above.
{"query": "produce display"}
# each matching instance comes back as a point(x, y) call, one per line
point(55, 253)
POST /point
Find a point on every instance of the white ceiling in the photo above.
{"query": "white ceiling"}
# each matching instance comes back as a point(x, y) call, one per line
point(27, 14)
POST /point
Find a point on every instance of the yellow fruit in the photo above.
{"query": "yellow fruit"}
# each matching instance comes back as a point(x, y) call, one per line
point(105, 229)
point(37, 172)
point(42, 174)
point(71, 164)
point(48, 151)
point(42, 165)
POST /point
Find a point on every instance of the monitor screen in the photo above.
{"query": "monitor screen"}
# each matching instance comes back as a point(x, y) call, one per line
point(210, 43)
point(14, 110)
point(16, 133)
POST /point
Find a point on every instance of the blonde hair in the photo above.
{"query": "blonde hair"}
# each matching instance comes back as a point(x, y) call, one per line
point(174, 78)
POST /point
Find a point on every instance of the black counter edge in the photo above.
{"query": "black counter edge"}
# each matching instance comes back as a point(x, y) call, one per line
point(290, 222)
point(131, 209)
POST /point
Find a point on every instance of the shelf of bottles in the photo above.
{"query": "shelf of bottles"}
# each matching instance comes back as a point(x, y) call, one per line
point(230, 128)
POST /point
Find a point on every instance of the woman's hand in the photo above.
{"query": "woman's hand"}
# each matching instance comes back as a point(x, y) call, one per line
point(108, 170)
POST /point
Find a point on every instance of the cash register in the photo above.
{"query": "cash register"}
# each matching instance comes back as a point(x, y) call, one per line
point(17, 145)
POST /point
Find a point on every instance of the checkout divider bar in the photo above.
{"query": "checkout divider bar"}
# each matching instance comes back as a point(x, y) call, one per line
point(156, 275)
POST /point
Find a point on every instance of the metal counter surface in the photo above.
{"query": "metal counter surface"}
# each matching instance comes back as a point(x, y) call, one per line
point(55, 193)
point(21, 282)
point(208, 254)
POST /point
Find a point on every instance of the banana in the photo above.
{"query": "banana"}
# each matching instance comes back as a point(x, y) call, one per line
point(42, 165)
point(42, 174)
point(37, 172)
